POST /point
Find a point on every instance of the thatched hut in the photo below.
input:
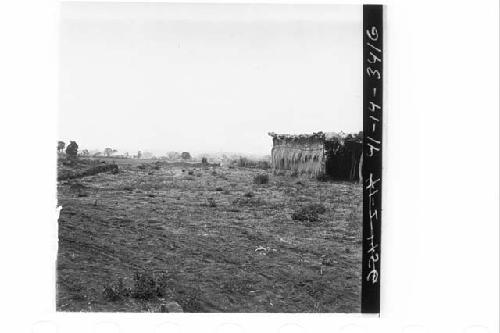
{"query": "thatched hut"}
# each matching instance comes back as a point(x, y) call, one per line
point(336, 155)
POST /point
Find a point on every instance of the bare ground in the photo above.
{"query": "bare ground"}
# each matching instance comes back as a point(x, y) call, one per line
point(225, 243)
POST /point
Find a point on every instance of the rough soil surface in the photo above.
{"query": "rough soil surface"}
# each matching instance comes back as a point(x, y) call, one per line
point(225, 243)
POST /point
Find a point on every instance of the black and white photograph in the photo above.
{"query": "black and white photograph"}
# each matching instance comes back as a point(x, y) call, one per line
point(210, 158)
point(240, 166)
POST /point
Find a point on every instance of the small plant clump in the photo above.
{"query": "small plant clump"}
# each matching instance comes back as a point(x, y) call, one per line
point(116, 291)
point(261, 179)
point(146, 286)
point(309, 213)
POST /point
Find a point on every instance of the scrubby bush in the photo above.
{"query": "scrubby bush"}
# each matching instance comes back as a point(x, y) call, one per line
point(309, 213)
point(116, 291)
point(317, 207)
point(144, 285)
point(261, 179)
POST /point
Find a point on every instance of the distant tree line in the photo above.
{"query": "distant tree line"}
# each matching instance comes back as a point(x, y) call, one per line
point(71, 151)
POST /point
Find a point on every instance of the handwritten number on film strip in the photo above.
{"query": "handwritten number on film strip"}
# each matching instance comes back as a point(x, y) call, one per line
point(373, 141)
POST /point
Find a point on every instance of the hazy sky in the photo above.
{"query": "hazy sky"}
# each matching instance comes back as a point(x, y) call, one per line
point(207, 78)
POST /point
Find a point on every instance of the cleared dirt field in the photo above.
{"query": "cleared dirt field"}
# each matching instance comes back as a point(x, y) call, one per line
point(221, 242)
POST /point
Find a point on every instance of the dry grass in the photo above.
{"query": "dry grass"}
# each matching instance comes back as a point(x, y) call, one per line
point(245, 254)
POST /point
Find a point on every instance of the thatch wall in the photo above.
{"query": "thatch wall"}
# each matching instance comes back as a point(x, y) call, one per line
point(337, 155)
point(303, 161)
point(303, 154)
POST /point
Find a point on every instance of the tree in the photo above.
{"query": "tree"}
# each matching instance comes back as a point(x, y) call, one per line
point(109, 151)
point(72, 150)
point(185, 155)
point(85, 152)
point(173, 155)
point(60, 146)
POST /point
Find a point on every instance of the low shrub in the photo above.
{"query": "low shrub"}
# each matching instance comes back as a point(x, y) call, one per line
point(317, 207)
point(261, 179)
point(309, 213)
point(144, 285)
point(116, 291)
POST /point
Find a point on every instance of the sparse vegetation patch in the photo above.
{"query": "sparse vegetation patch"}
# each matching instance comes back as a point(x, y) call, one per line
point(261, 179)
point(309, 213)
